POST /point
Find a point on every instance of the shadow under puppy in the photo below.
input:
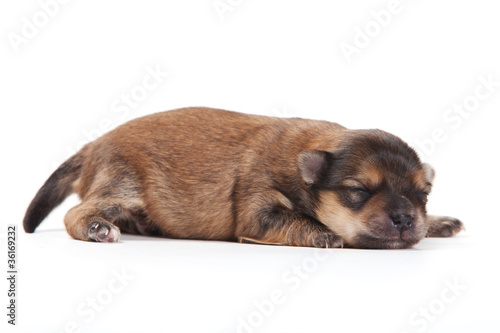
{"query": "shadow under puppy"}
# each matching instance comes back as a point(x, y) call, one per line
point(200, 173)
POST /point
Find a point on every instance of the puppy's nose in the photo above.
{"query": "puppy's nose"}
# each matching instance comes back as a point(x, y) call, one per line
point(402, 222)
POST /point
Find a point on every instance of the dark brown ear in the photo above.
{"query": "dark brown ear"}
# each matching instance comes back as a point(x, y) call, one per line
point(312, 165)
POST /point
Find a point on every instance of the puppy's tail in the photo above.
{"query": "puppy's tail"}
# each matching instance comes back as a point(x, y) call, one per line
point(53, 192)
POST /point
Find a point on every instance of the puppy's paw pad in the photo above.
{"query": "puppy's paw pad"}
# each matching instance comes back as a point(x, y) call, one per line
point(328, 240)
point(445, 227)
point(104, 232)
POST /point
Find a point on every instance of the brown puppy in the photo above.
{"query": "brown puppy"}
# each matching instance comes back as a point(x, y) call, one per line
point(202, 173)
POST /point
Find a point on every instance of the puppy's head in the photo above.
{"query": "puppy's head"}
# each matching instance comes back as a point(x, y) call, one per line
point(371, 190)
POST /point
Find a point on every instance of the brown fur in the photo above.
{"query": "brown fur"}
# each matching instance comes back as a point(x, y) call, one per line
point(200, 173)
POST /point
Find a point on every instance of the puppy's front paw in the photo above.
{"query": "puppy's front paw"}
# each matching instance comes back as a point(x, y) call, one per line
point(328, 240)
point(444, 226)
point(104, 232)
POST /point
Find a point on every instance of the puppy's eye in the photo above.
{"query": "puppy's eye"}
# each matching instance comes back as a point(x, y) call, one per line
point(359, 194)
point(354, 197)
point(360, 190)
point(423, 194)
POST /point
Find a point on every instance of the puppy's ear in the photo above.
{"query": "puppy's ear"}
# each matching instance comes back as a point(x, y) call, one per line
point(429, 172)
point(312, 165)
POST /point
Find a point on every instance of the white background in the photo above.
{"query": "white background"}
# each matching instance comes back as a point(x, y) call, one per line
point(64, 83)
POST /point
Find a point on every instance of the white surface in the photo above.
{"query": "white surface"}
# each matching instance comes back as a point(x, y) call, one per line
point(200, 286)
point(278, 58)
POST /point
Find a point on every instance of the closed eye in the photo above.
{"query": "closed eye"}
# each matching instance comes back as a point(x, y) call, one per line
point(354, 197)
point(360, 190)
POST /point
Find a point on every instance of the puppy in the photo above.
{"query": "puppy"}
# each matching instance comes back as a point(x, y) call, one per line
point(199, 173)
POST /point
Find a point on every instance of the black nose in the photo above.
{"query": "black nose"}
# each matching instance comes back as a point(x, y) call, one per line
point(402, 222)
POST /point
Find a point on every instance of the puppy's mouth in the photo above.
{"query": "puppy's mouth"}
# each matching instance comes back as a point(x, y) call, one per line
point(404, 240)
point(386, 232)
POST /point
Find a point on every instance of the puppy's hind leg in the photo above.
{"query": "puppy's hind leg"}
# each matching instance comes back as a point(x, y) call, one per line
point(92, 221)
point(443, 226)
